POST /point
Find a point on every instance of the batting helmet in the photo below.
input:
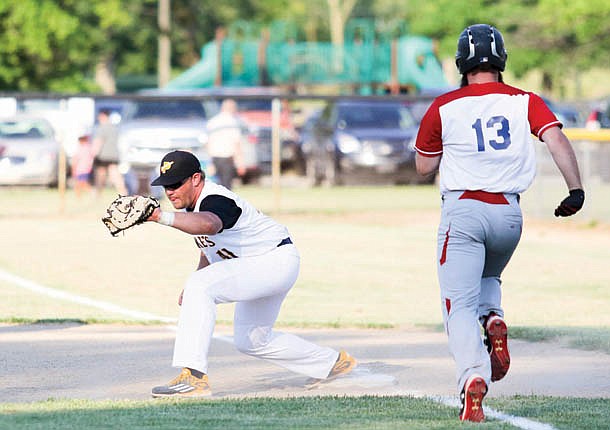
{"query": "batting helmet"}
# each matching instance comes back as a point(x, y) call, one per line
point(480, 44)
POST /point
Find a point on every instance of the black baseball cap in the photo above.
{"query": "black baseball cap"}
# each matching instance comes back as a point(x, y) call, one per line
point(175, 167)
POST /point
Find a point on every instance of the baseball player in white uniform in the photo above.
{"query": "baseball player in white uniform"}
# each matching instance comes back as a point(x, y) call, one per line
point(245, 257)
point(479, 139)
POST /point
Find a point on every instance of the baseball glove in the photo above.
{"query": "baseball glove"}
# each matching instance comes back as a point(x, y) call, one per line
point(126, 211)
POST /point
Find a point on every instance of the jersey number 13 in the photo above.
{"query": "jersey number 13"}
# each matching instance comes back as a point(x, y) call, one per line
point(500, 125)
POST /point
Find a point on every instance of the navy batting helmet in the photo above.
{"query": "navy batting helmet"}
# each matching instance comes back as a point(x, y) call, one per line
point(480, 44)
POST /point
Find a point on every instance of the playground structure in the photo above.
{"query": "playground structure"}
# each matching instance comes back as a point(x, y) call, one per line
point(370, 61)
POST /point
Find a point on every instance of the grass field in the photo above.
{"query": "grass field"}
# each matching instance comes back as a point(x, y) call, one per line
point(396, 412)
point(368, 260)
point(330, 413)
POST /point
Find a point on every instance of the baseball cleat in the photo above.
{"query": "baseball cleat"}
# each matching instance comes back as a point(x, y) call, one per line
point(345, 363)
point(471, 397)
point(496, 339)
point(184, 385)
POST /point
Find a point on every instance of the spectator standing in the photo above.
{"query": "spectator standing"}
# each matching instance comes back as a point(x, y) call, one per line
point(82, 165)
point(106, 162)
point(224, 143)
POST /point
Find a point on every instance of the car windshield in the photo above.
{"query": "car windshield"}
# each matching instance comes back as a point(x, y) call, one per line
point(168, 109)
point(245, 105)
point(25, 129)
point(374, 116)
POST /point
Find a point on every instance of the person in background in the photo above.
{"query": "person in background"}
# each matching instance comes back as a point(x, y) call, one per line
point(479, 138)
point(106, 162)
point(82, 165)
point(224, 143)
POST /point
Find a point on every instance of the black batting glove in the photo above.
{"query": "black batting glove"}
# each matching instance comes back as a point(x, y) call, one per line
point(571, 204)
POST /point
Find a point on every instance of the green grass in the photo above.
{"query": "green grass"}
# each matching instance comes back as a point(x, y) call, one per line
point(367, 260)
point(393, 412)
point(562, 413)
point(576, 337)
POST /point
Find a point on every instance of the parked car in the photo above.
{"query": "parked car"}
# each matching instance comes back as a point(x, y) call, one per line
point(569, 116)
point(150, 128)
point(29, 151)
point(361, 141)
point(69, 117)
point(254, 109)
point(257, 115)
point(599, 116)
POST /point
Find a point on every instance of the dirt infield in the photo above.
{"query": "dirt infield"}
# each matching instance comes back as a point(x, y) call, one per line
point(38, 362)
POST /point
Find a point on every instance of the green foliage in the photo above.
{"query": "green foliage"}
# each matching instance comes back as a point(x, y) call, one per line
point(367, 412)
point(555, 36)
point(55, 45)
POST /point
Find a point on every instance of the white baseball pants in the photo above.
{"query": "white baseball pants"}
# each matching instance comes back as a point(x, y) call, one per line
point(258, 286)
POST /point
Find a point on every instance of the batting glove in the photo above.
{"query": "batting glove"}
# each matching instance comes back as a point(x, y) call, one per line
point(571, 204)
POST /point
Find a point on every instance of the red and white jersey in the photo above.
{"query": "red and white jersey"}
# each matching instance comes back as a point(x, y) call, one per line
point(246, 232)
point(483, 132)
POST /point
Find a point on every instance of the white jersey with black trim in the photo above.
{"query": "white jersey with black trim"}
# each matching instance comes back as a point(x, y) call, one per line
point(253, 233)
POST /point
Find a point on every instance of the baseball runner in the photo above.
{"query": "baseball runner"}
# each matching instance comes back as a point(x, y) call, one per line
point(479, 138)
point(246, 258)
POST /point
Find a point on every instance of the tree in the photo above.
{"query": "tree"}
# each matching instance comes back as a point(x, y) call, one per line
point(74, 45)
point(51, 46)
point(31, 39)
point(557, 37)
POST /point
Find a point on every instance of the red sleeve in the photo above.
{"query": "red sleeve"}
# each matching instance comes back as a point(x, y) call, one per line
point(540, 116)
point(429, 141)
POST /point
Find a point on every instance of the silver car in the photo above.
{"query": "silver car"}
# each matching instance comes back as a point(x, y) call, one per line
point(152, 128)
point(29, 151)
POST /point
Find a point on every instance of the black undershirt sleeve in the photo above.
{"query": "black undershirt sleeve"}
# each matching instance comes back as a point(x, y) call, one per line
point(225, 208)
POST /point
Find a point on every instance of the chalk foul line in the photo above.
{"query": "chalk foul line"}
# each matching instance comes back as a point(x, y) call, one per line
point(520, 422)
point(65, 296)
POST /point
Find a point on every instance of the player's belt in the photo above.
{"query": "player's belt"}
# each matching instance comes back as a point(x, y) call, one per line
point(484, 196)
point(286, 241)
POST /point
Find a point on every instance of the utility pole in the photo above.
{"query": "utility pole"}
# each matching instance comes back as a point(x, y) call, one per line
point(164, 54)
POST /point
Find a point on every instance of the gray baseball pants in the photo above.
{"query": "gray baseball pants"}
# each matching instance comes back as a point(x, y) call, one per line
point(477, 236)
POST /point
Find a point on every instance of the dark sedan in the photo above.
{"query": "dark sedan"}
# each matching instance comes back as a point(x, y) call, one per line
point(360, 141)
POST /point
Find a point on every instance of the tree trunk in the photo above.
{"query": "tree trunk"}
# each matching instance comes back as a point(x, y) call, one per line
point(339, 11)
point(104, 77)
point(547, 82)
point(337, 22)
